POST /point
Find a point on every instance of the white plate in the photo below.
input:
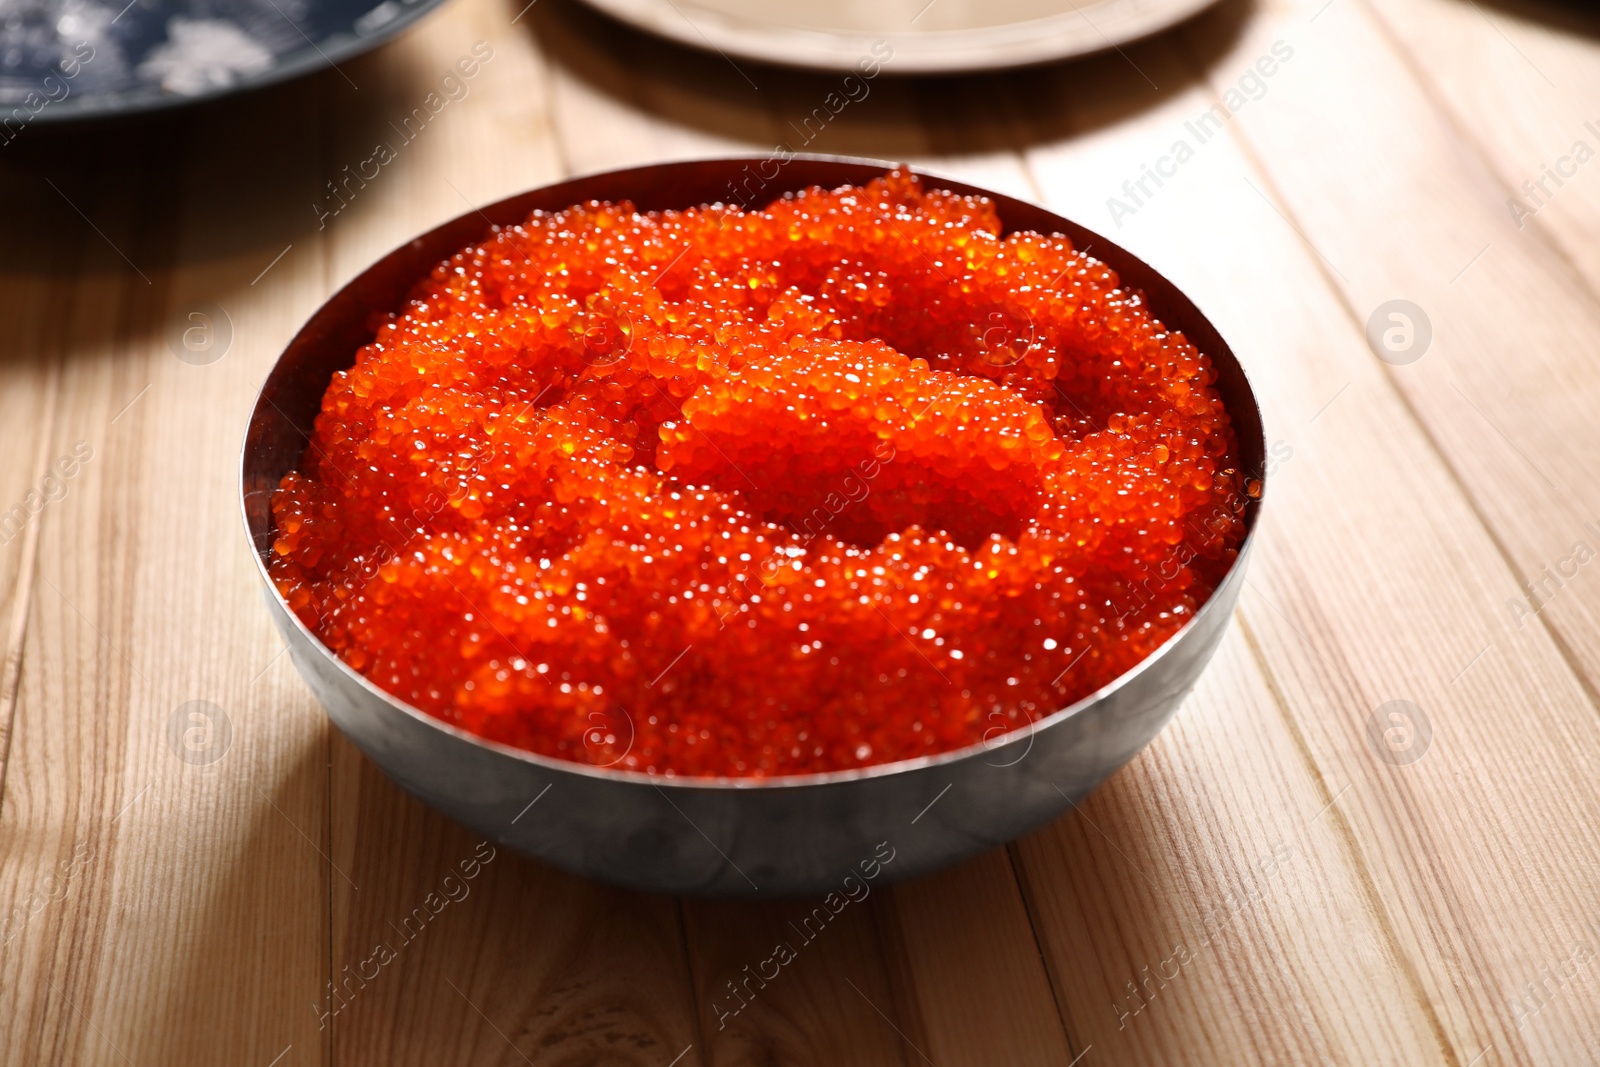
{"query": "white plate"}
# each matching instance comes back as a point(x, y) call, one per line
point(926, 37)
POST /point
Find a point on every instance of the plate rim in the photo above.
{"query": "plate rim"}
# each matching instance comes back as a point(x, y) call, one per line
point(308, 60)
point(1016, 44)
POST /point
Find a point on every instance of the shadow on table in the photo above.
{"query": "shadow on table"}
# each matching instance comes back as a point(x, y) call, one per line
point(118, 226)
point(1570, 16)
point(122, 182)
point(440, 948)
point(445, 950)
point(748, 101)
point(216, 190)
point(231, 976)
point(191, 205)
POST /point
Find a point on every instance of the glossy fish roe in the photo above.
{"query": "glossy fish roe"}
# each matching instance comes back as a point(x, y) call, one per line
point(847, 480)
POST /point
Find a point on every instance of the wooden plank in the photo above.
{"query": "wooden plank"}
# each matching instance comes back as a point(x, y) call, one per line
point(1352, 909)
point(485, 141)
point(1376, 580)
point(967, 970)
point(452, 950)
point(1204, 905)
point(619, 98)
point(37, 862)
point(1518, 83)
point(829, 1003)
point(1434, 229)
point(519, 962)
point(1098, 920)
point(623, 99)
point(944, 1014)
point(1521, 445)
point(144, 602)
point(29, 328)
point(813, 1016)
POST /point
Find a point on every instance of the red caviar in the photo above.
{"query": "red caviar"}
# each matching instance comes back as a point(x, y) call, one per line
point(848, 480)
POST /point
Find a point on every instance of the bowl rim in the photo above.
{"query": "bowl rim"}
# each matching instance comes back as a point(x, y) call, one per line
point(780, 781)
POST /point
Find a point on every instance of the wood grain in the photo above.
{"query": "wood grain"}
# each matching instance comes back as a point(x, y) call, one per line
point(169, 854)
point(448, 949)
point(988, 966)
point(530, 965)
point(1184, 907)
point(1517, 82)
point(1264, 884)
point(1395, 541)
point(830, 1001)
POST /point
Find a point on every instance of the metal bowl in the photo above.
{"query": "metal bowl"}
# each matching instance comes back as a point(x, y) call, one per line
point(782, 836)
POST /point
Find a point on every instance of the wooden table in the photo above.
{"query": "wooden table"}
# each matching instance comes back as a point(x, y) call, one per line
point(1279, 878)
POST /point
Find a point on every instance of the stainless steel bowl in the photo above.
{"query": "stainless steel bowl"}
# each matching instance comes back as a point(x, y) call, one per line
point(783, 836)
